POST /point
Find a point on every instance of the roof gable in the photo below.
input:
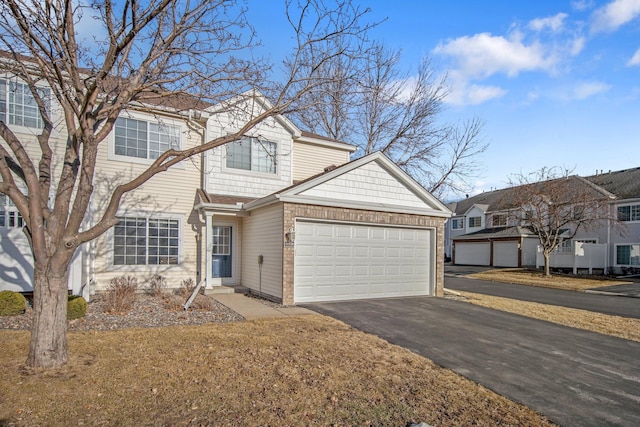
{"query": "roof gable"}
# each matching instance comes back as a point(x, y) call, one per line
point(371, 182)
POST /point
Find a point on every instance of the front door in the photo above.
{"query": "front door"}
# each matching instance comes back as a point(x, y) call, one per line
point(222, 253)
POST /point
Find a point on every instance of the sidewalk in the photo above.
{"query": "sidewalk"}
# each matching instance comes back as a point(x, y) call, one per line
point(253, 309)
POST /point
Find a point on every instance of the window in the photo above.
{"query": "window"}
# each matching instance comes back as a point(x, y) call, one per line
point(144, 140)
point(9, 215)
point(18, 106)
point(628, 255)
point(252, 154)
point(457, 223)
point(629, 213)
point(475, 222)
point(499, 220)
point(145, 241)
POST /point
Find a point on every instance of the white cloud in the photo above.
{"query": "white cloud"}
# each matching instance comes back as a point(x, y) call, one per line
point(483, 55)
point(586, 90)
point(582, 4)
point(552, 23)
point(635, 59)
point(614, 15)
point(463, 93)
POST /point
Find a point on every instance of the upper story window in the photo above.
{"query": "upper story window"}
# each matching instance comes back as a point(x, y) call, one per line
point(18, 106)
point(143, 139)
point(457, 223)
point(475, 222)
point(146, 241)
point(252, 154)
point(9, 215)
point(499, 220)
point(629, 213)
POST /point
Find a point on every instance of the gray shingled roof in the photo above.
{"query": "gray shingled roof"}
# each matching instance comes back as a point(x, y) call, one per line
point(624, 184)
point(504, 199)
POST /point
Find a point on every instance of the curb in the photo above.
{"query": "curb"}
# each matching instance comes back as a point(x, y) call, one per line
point(611, 294)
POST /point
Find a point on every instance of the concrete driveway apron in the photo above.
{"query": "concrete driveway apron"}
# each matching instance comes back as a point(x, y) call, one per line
point(574, 377)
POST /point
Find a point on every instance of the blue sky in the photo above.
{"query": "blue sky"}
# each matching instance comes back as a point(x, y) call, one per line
point(556, 82)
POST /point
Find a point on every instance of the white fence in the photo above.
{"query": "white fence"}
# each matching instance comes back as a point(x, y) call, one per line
point(584, 256)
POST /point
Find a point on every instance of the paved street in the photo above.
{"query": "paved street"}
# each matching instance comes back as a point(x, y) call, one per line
point(615, 305)
point(574, 377)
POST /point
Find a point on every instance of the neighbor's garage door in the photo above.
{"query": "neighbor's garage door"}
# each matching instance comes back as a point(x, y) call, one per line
point(505, 254)
point(473, 253)
point(347, 261)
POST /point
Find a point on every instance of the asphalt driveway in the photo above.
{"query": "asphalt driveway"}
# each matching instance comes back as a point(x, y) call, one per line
point(614, 305)
point(574, 377)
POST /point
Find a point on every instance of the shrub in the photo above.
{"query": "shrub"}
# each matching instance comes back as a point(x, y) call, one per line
point(76, 307)
point(121, 294)
point(157, 284)
point(173, 302)
point(12, 303)
point(202, 302)
point(186, 288)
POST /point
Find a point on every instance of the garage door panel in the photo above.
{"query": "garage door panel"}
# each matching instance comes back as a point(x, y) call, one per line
point(371, 262)
point(505, 254)
point(473, 253)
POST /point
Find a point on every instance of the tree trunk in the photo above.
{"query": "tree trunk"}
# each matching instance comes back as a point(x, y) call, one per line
point(547, 270)
point(48, 347)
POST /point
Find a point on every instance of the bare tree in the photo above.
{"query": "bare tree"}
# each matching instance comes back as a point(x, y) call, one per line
point(153, 53)
point(556, 205)
point(385, 109)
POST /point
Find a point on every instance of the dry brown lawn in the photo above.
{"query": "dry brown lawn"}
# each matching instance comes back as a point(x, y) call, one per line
point(308, 370)
point(523, 276)
point(616, 326)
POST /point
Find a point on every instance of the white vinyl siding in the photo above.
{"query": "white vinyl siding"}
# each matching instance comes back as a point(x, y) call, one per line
point(262, 234)
point(311, 159)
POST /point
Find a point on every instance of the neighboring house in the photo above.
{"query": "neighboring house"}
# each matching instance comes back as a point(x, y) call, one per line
point(281, 211)
point(485, 231)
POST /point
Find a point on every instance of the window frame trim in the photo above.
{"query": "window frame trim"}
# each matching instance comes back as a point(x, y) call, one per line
point(629, 205)
point(110, 245)
point(250, 173)
point(23, 128)
point(135, 115)
point(615, 255)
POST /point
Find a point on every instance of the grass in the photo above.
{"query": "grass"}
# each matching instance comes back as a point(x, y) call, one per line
point(621, 327)
point(308, 370)
point(523, 276)
point(616, 326)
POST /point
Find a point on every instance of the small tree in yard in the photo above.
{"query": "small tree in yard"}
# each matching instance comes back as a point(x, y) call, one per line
point(556, 205)
point(149, 53)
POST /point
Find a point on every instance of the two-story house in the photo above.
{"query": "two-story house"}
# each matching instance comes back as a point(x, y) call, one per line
point(281, 211)
point(485, 229)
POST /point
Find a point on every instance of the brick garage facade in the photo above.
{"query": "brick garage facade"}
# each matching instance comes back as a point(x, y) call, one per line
point(292, 211)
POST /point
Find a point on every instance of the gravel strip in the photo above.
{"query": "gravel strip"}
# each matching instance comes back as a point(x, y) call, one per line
point(147, 312)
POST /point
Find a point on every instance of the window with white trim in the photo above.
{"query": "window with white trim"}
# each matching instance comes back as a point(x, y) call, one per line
point(146, 241)
point(9, 215)
point(252, 154)
point(628, 255)
point(629, 213)
point(475, 222)
point(18, 105)
point(457, 223)
point(143, 139)
point(499, 220)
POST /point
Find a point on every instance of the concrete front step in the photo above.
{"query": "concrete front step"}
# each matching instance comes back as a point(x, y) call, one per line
point(232, 289)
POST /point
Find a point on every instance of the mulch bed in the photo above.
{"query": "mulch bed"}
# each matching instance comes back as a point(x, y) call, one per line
point(147, 312)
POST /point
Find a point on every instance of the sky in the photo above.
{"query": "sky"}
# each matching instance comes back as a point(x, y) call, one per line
point(556, 83)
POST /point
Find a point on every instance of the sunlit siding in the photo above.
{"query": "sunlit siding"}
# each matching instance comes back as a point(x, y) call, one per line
point(311, 159)
point(262, 234)
point(170, 194)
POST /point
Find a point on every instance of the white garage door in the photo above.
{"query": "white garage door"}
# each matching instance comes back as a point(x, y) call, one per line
point(473, 253)
point(347, 261)
point(505, 254)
